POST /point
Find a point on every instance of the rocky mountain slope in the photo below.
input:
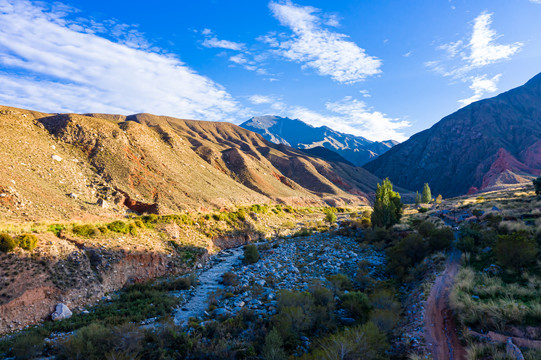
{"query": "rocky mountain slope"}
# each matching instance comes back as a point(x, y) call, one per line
point(300, 135)
point(485, 145)
point(64, 166)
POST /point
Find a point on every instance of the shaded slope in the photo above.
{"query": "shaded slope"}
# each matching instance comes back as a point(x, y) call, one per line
point(489, 143)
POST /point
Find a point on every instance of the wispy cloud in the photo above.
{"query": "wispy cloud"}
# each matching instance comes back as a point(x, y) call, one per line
point(261, 99)
point(480, 86)
point(467, 56)
point(484, 50)
point(211, 41)
point(312, 45)
point(51, 64)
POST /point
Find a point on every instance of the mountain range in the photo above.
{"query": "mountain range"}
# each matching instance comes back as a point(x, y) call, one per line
point(485, 145)
point(298, 134)
point(79, 166)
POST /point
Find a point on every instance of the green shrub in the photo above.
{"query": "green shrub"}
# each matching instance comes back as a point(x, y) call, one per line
point(230, 279)
point(340, 282)
point(357, 304)
point(441, 239)
point(273, 348)
point(27, 346)
point(139, 224)
point(466, 244)
point(422, 210)
point(251, 254)
point(426, 228)
point(182, 283)
point(360, 342)
point(56, 228)
point(7, 243)
point(294, 315)
point(515, 250)
point(385, 320)
point(118, 226)
point(406, 253)
point(86, 230)
point(537, 186)
point(303, 232)
point(132, 229)
point(330, 217)
point(96, 341)
point(27, 241)
point(90, 342)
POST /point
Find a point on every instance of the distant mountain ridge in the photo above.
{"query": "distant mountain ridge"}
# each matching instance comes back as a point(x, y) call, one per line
point(298, 134)
point(488, 144)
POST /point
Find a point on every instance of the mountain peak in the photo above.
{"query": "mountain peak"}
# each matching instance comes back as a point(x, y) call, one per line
point(298, 134)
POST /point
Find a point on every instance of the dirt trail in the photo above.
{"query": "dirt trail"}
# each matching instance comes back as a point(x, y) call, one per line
point(440, 326)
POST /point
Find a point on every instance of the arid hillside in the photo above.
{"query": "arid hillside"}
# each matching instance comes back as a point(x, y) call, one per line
point(70, 166)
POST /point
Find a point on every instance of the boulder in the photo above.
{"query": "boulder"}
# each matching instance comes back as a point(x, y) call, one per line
point(61, 312)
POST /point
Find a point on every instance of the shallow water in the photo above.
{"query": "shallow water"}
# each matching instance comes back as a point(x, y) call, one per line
point(209, 281)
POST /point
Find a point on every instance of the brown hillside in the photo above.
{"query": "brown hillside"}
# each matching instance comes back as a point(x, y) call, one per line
point(63, 166)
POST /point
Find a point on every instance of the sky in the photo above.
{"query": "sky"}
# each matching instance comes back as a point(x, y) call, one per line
point(383, 69)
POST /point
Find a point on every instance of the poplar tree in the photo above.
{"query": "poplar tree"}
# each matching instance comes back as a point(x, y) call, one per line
point(387, 207)
point(417, 198)
point(427, 195)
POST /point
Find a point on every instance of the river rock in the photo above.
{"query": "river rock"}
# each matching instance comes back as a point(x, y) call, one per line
point(61, 312)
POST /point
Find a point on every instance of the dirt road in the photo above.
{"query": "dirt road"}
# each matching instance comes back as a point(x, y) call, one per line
point(440, 326)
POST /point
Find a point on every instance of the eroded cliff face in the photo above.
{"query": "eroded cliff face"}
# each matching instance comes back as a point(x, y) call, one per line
point(76, 273)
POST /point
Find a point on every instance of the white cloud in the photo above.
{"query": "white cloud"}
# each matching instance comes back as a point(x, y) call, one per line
point(365, 93)
point(371, 124)
point(483, 49)
point(467, 56)
point(350, 116)
point(480, 86)
point(261, 99)
point(212, 41)
point(536, 1)
point(48, 66)
point(329, 53)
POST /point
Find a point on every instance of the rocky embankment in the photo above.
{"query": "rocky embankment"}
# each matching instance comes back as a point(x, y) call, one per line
point(70, 272)
point(287, 263)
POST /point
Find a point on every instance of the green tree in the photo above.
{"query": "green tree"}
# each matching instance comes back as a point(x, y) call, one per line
point(515, 250)
point(387, 206)
point(330, 217)
point(417, 198)
point(537, 185)
point(427, 195)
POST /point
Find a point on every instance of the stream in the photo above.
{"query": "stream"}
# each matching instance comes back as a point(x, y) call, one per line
point(209, 281)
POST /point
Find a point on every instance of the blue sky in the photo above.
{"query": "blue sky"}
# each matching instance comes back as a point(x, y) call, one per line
point(379, 69)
